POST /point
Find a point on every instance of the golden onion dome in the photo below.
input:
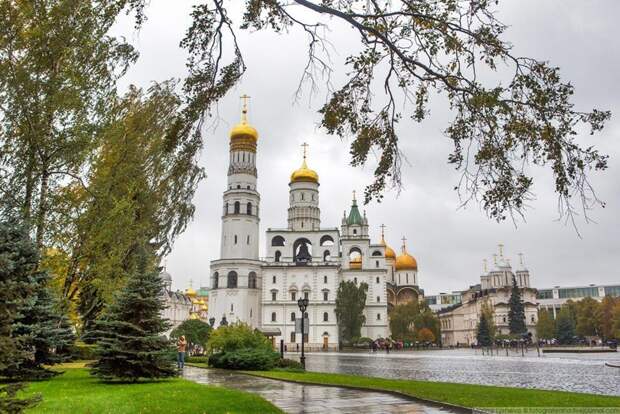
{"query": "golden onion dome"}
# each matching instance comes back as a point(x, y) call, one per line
point(304, 174)
point(243, 130)
point(356, 263)
point(405, 261)
point(190, 292)
point(389, 252)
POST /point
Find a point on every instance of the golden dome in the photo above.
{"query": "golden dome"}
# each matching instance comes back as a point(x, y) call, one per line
point(243, 130)
point(356, 263)
point(405, 261)
point(190, 292)
point(389, 252)
point(304, 174)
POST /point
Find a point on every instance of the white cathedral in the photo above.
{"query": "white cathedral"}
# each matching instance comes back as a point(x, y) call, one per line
point(302, 259)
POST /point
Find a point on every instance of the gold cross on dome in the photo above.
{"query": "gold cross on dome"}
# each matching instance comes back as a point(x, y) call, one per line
point(190, 282)
point(244, 111)
point(404, 239)
point(305, 147)
point(382, 230)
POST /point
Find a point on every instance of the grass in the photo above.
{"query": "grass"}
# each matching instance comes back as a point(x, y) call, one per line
point(76, 391)
point(464, 395)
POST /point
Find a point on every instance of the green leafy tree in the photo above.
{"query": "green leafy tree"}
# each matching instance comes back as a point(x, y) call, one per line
point(588, 313)
point(130, 341)
point(58, 71)
point(545, 327)
point(616, 321)
point(140, 190)
point(483, 331)
point(606, 316)
point(565, 326)
point(516, 311)
point(487, 309)
point(425, 335)
point(417, 50)
point(18, 261)
point(350, 304)
point(402, 320)
point(196, 333)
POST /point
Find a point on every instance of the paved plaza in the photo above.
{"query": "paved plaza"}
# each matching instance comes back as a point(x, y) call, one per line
point(300, 398)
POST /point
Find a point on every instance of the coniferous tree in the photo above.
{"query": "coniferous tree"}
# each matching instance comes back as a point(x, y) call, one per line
point(483, 334)
point(516, 311)
point(130, 340)
point(18, 259)
point(565, 326)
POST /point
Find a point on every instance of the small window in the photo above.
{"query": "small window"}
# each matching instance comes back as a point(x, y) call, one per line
point(238, 186)
point(325, 317)
point(232, 307)
point(235, 239)
point(273, 279)
point(378, 316)
point(302, 196)
point(248, 239)
point(273, 316)
point(249, 209)
point(376, 263)
point(278, 255)
point(355, 280)
point(306, 294)
point(378, 299)
point(354, 231)
point(377, 279)
point(293, 296)
point(273, 296)
point(292, 316)
point(324, 279)
point(325, 296)
point(248, 187)
point(293, 337)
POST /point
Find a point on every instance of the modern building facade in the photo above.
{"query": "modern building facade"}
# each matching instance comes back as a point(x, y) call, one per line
point(552, 299)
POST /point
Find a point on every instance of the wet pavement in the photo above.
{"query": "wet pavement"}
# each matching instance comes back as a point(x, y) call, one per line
point(563, 372)
point(300, 398)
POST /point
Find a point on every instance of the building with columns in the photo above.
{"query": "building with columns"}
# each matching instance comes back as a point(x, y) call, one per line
point(301, 259)
point(459, 322)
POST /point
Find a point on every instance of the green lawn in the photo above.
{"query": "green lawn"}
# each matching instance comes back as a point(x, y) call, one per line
point(77, 392)
point(464, 395)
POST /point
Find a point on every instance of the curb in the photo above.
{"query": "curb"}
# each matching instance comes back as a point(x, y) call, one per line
point(457, 408)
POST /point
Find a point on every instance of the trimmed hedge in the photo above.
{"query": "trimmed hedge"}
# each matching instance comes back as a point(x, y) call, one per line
point(198, 359)
point(288, 363)
point(245, 359)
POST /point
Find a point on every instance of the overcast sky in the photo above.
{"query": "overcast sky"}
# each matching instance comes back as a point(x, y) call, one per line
point(582, 37)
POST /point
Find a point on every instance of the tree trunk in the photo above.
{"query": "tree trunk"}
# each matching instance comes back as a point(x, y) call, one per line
point(42, 212)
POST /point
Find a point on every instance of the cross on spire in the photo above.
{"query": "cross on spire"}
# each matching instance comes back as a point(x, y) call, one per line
point(501, 249)
point(353, 195)
point(305, 147)
point(244, 111)
point(382, 231)
point(190, 282)
point(404, 239)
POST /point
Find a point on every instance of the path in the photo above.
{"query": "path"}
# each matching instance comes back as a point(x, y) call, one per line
point(301, 398)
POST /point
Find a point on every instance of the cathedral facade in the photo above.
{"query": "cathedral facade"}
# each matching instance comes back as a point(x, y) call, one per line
point(302, 259)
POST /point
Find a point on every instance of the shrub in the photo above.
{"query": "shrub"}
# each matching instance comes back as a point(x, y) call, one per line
point(289, 363)
point(246, 359)
point(238, 336)
point(197, 359)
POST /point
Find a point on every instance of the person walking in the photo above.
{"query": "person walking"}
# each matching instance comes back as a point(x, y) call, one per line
point(181, 345)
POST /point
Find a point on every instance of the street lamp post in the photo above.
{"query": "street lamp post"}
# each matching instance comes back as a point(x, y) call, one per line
point(303, 305)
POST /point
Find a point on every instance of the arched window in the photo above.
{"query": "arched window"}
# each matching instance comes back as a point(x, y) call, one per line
point(237, 207)
point(274, 279)
point(325, 317)
point(273, 316)
point(302, 251)
point(249, 209)
point(232, 280)
point(277, 241)
point(377, 253)
point(378, 316)
point(278, 255)
point(376, 263)
point(252, 280)
point(326, 240)
point(226, 209)
point(293, 316)
point(378, 299)
point(326, 256)
point(325, 295)
point(324, 279)
point(302, 196)
point(216, 280)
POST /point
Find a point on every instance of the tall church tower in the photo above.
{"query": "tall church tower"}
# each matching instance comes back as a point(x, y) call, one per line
point(303, 212)
point(236, 277)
